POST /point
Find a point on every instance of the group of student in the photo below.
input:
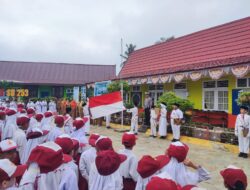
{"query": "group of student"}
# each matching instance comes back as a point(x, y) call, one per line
point(50, 151)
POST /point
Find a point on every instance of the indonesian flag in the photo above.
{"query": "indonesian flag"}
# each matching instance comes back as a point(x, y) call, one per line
point(106, 104)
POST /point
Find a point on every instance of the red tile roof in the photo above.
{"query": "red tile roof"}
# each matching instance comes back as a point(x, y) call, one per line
point(55, 73)
point(223, 45)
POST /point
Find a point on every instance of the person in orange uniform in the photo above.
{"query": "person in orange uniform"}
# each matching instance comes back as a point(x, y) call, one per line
point(73, 106)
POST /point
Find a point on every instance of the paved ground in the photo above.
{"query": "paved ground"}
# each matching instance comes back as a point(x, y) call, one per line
point(213, 159)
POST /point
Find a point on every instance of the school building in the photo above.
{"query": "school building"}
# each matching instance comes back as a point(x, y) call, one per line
point(208, 67)
point(42, 79)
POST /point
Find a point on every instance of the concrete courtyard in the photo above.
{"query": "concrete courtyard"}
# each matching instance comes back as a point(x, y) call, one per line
point(213, 159)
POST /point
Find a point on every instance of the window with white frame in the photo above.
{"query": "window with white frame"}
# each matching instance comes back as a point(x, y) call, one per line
point(180, 89)
point(215, 95)
point(243, 83)
point(155, 91)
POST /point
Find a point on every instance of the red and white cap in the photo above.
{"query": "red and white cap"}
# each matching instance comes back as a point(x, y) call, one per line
point(93, 138)
point(147, 166)
point(2, 108)
point(178, 150)
point(22, 119)
point(30, 111)
point(78, 123)
point(129, 139)
point(163, 160)
point(59, 120)
point(65, 142)
point(2, 113)
point(34, 133)
point(39, 117)
point(232, 174)
point(9, 170)
point(23, 111)
point(104, 143)
point(108, 161)
point(158, 183)
point(7, 145)
point(48, 114)
point(48, 156)
point(10, 112)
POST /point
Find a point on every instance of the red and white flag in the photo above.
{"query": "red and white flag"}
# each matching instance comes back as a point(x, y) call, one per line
point(106, 104)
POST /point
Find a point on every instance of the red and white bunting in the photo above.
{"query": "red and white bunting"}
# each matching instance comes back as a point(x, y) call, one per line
point(155, 79)
point(144, 80)
point(194, 76)
point(179, 77)
point(215, 74)
point(240, 71)
point(134, 81)
point(165, 78)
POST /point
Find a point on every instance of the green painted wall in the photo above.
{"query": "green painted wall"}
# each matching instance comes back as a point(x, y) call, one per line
point(42, 89)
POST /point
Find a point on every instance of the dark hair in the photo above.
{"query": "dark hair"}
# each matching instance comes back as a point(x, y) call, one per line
point(135, 103)
point(238, 186)
point(68, 109)
point(153, 106)
point(84, 104)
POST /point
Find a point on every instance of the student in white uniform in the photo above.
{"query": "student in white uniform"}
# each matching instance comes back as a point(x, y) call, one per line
point(88, 157)
point(147, 168)
point(10, 125)
point(86, 114)
point(86, 160)
point(128, 167)
point(234, 178)
point(134, 119)
point(20, 136)
point(108, 118)
point(153, 122)
point(68, 121)
point(242, 127)
point(104, 173)
point(2, 122)
point(176, 119)
point(8, 174)
point(163, 121)
point(38, 106)
point(52, 106)
point(47, 169)
point(178, 165)
point(8, 150)
point(57, 130)
point(33, 122)
point(44, 106)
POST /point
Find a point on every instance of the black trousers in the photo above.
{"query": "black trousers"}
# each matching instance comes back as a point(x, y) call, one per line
point(147, 116)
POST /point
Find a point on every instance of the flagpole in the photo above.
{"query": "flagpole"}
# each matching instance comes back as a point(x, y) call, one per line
point(121, 80)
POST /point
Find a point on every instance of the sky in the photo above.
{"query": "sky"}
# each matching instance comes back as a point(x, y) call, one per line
point(90, 31)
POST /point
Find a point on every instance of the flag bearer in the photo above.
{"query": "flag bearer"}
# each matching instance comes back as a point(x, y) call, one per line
point(134, 119)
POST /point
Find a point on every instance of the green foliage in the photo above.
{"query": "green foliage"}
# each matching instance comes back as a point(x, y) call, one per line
point(129, 105)
point(170, 98)
point(244, 98)
point(116, 86)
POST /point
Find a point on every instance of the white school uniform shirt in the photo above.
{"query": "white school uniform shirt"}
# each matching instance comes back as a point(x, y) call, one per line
point(176, 114)
point(99, 182)
point(54, 133)
point(86, 160)
point(142, 182)
point(13, 105)
point(128, 168)
point(38, 107)
point(52, 106)
point(163, 121)
point(21, 141)
point(10, 127)
point(2, 126)
point(80, 136)
point(242, 121)
point(63, 178)
point(134, 112)
point(68, 126)
point(74, 168)
point(44, 106)
point(181, 174)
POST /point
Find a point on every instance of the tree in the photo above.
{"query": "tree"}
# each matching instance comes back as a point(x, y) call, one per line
point(116, 86)
point(130, 49)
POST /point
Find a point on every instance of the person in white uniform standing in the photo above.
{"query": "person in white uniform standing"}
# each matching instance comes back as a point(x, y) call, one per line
point(153, 122)
point(176, 120)
point(163, 121)
point(86, 114)
point(242, 126)
point(134, 119)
